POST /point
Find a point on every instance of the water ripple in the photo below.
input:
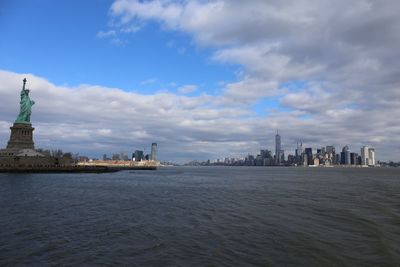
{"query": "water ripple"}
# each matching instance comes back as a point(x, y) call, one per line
point(202, 217)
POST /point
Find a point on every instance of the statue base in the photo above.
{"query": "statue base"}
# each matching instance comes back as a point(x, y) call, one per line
point(21, 136)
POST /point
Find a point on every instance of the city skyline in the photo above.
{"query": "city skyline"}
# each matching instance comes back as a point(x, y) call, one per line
point(326, 155)
point(203, 78)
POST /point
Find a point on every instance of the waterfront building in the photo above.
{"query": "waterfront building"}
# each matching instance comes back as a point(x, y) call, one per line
point(266, 157)
point(353, 158)
point(291, 159)
point(282, 156)
point(368, 156)
point(345, 156)
point(249, 160)
point(371, 156)
point(309, 156)
point(305, 160)
point(265, 153)
point(278, 148)
point(359, 160)
point(268, 161)
point(259, 161)
point(364, 155)
point(123, 156)
point(337, 159)
point(299, 153)
point(138, 155)
point(153, 151)
point(330, 150)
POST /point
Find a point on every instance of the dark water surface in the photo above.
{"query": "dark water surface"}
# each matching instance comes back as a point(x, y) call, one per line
point(212, 216)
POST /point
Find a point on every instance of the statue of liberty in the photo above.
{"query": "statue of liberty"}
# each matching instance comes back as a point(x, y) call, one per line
point(25, 106)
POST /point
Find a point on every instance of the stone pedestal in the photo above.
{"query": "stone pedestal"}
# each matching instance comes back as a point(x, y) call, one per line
point(21, 136)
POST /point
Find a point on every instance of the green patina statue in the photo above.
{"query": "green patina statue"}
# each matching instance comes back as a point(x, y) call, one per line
point(25, 106)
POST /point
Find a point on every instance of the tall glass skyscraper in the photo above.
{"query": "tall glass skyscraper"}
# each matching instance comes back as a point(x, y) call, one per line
point(153, 155)
point(309, 155)
point(278, 147)
point(299, 152)
point(345, 156)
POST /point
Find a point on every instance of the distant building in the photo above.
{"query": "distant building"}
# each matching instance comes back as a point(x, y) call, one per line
point(364, 155)
point(278, 148)
point(268, 161)
point(265, 153)
point(250, 160)
point(83, 159)
point(138, 155)
point(309, 156)
point(359, 160)
point(299, 153)
point(345, 156)
point(291, 159)
point(305, 160)
point(123, 156)
point(331, 154)
point(259, 161)
point(266, 157)
point(371, 156)
point(368, 156)
point(153, 155)
point(353, 158)
point(337, 159)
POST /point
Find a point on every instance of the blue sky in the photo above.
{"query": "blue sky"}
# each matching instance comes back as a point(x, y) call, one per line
point(204, 79)
point(58, 40)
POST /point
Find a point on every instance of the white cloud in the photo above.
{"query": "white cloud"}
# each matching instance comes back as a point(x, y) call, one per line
point(97, 120)
point(131, 29)
point(110, 33)
point(341, 53)
point(344, 62)
point(104, 132)
point(186, 89)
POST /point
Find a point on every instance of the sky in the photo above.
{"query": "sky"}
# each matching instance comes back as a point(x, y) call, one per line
point(203, 79)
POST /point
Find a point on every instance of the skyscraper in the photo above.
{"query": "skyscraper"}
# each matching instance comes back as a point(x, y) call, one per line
point(365, 156)
point(278, 148)
point(353, 158)
point(153, 151)
point(138, 155)
point(309, 156)
point(330, 150)
point(345, 156)
point(371, 156)
point(299, 152)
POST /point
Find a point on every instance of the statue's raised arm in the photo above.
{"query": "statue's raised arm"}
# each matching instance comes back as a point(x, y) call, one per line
point(25, 106)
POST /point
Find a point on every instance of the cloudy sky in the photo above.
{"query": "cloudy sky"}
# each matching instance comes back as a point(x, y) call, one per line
point(203, 79)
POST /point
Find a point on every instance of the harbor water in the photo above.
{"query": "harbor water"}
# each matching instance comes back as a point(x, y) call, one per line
point(202, 216)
